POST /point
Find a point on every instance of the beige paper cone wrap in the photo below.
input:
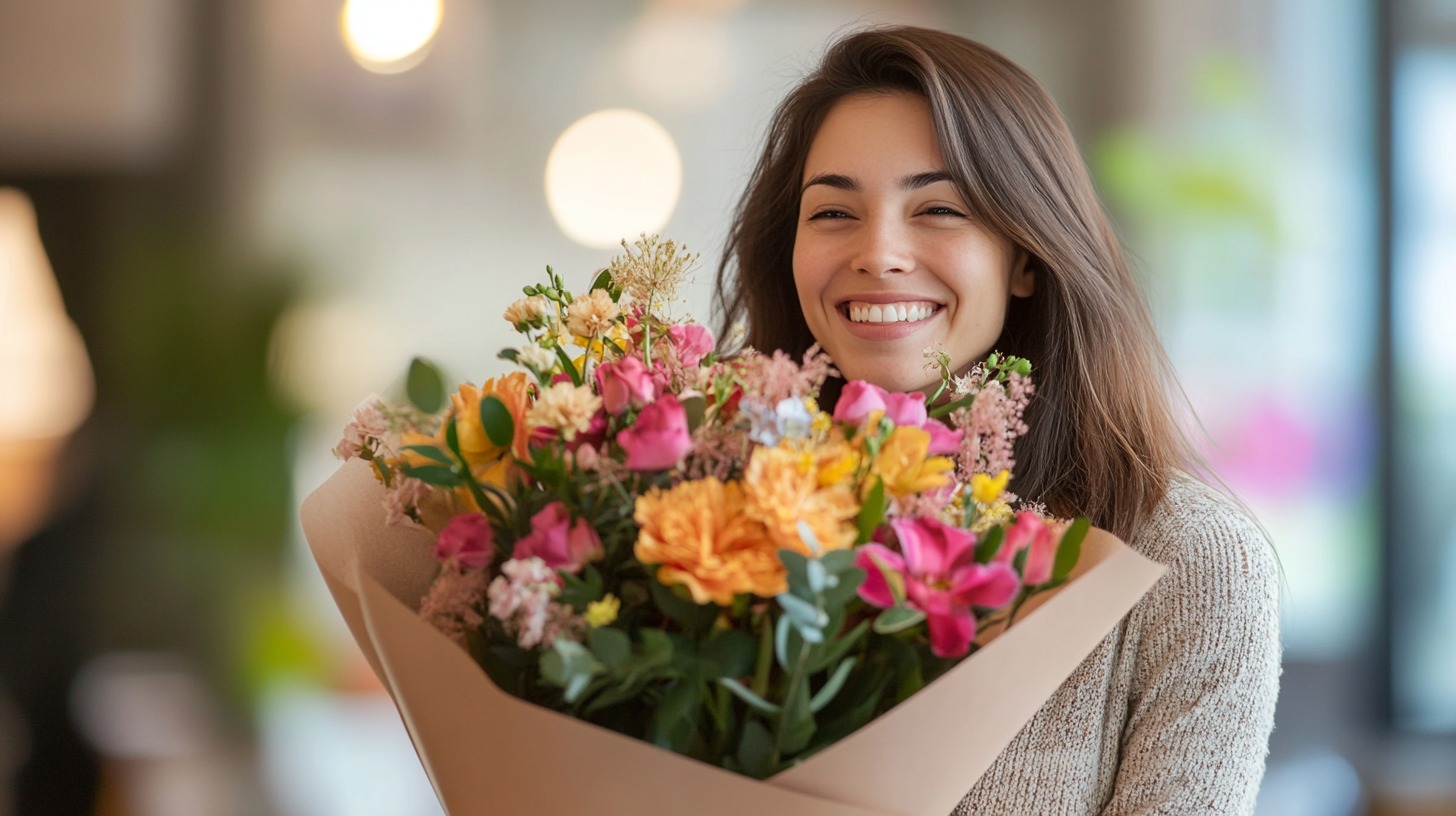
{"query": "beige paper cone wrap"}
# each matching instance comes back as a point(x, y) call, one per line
point(490, 754)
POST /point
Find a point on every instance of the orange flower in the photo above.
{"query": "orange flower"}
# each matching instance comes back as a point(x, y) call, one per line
point(698, 535)
point(487, 460)
point(783, 487)
point(906, 466)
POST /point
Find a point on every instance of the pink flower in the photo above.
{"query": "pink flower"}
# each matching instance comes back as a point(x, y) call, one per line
point(467, 541)
point(1032, 533)
point(659, 439)
point(558, 542)
point(523, 597)
point(937, 563)
point(690, 342)
point(906, 409)
point(943, 441)
point(857, 400)
point(626, 383)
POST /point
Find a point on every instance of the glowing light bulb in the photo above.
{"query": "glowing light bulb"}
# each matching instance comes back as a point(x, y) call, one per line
point(612, 175)
point(390, 36)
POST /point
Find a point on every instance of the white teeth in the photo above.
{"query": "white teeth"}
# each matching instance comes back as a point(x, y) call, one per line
point(890, 312)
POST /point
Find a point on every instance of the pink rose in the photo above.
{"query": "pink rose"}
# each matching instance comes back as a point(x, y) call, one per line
point(691, 342)
point(1031, 533)
point(558, 542)
point(857, 400)
point(467, 541)
point(943, 440)
point(626, 383)
point(906, 410)
point(659, 438)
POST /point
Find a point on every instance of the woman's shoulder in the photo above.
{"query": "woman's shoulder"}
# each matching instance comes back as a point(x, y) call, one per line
point(1208, 540)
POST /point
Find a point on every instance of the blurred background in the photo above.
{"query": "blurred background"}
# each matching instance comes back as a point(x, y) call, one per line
point(224, 223)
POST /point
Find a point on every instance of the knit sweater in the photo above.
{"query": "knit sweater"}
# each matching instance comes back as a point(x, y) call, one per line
point(1171, 713)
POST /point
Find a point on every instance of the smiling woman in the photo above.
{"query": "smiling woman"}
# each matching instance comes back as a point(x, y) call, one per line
point(920, 190)
point(887, 259)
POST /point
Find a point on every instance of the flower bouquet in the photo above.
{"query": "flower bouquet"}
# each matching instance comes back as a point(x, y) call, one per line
point(640, 575)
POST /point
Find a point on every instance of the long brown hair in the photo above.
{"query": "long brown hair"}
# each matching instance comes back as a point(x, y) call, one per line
point(1104, 439)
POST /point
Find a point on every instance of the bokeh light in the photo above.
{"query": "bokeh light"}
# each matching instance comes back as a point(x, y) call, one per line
point(390, 36)
point(612, 175)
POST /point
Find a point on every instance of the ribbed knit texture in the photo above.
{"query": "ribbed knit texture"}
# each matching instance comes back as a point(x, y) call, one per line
point(1171, 713)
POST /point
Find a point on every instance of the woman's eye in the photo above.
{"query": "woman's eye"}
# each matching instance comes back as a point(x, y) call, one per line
point(942, 211)
point(824, 215)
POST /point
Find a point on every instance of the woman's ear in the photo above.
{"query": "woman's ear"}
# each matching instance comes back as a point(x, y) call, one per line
point(1023, 275)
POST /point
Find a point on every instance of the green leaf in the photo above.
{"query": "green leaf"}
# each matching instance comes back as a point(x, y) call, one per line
point(1070, 548)
point(510, 355)
point(897, 619)
point(825, 695)
point(797, 566)
point(941, 411)
point(695, 407)
point(433, 475)
point(801, 611)
point(674, 720)
point(603, 280)
point(729, 653)
point(425, 386)
point(990, 544)
point(755, 750)
point(798, 723)
point(496, 420)
point(838, 561)
point(697, 619)
point(430, 452)
point(872, 512)
point(839, 647)
point(612, 647)
point(568, 366)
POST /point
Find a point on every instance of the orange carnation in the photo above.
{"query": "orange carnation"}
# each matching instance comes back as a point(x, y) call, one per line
point(699, 536)
point(783, 487)
point(489, 461)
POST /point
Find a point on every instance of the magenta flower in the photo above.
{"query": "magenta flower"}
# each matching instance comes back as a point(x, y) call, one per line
point(857, 400)
point(466, 541)
point(558, 542)
point(906, 410)
point(937, 564)
point(626, 383)
point(943, 440)
point(1031, 533)
point(659, 438)
point(690, 342)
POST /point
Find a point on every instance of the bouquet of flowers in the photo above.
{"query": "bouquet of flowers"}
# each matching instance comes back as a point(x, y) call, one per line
point(681, 546)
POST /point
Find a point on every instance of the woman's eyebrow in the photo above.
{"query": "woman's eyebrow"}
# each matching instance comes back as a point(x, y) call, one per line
point(914, 181)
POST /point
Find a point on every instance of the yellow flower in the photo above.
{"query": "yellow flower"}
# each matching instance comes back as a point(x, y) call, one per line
point(699, 536)
point(600, 613)
point(987, 489)
point(591, 315)
point(906, 466)
point(782, 487)
point(993, 516)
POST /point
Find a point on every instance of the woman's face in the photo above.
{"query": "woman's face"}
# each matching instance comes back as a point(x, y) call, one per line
point(887, 259)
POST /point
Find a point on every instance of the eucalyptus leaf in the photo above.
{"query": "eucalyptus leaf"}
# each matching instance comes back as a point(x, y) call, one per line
point(803, 612)
point(743, 693)
point(897, 619)
point(755, 750)
point(831, 687)
point(839, 647)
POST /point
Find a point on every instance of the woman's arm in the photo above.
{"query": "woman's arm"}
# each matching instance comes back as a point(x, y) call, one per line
point(1206, 674)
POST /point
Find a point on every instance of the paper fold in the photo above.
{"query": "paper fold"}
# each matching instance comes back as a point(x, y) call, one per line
point(489, 753)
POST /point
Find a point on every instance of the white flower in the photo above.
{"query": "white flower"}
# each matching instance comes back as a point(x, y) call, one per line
point(535, 357)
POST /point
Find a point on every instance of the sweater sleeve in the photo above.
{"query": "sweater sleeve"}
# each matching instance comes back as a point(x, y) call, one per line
point(1206, 670)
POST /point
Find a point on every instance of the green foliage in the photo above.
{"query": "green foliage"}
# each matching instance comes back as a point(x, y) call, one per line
point(425, 386)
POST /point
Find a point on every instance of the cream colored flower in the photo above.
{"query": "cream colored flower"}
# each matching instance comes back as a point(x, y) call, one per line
point(536, 357)
point(651, 270)
point(566, 408)
point(592, 314)
point(527, 310)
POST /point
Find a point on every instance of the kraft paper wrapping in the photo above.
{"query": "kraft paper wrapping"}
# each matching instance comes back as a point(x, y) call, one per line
point(490, 754)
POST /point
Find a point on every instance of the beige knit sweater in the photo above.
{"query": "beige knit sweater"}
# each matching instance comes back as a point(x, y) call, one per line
point(1171, 713)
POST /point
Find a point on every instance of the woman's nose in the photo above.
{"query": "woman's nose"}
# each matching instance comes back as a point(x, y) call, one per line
point(883, 248)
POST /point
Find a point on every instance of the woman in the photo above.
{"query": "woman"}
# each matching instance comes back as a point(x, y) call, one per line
point(919, 188)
